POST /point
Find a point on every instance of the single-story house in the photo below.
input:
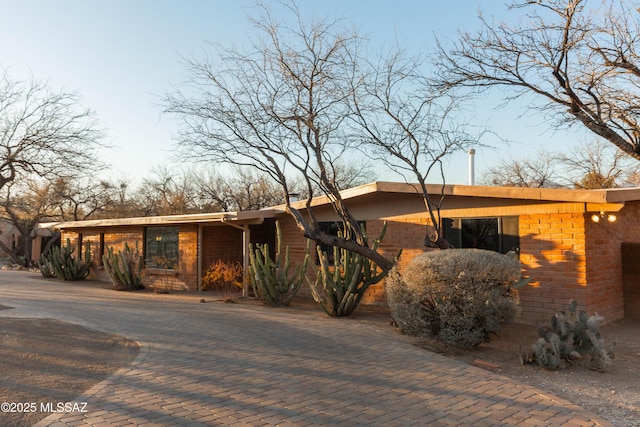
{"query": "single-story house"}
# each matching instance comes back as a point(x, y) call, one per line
point(575, 244)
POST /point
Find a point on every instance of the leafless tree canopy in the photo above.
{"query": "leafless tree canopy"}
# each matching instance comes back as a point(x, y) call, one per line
point(283, 109)
point(577, 57)
point(540, 171)
point(43, 132)
point(301, 103)
point(24, 204)
point(592, 165)
point(407, 125)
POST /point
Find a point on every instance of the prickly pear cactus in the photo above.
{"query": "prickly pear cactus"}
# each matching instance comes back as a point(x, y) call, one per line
point(571, 336)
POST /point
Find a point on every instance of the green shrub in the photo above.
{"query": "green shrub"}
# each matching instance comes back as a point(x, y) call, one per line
point(460, 296)
point(570, 336)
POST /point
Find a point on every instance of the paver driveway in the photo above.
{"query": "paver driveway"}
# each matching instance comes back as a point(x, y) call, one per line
point(241, 364)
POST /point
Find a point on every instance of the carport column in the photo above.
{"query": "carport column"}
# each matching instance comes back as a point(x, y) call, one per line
point(200, 257)
point(246, 240)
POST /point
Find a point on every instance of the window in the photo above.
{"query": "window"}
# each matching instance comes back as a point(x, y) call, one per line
point(161, 247)
point(332, 229)
point(499, 234)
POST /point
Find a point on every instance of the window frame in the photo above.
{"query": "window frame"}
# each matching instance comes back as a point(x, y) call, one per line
point(507, 233)
point(166, 239)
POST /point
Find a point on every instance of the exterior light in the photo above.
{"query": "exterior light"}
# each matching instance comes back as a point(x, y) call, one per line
point(601, 216)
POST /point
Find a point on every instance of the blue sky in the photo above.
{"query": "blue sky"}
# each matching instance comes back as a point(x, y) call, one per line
point(122, 56)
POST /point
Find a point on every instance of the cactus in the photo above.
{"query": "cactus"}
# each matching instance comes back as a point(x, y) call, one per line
point(273, 280)
point(339, 288)
point(45, 269)
point(570, 336)
point(124, 268)
point(61, 263)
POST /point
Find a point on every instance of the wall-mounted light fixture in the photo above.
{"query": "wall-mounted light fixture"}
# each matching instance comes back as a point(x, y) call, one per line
point(602, 216)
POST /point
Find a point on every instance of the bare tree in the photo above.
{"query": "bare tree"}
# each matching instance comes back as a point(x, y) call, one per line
point(282, 109)
point(44, 133)
point(539, 171)
point(168, 191)
point(81, 198)
point(591, 165)
point(306, 98)
point(409, 126)
point(240, 190)
point(123, 201)
point(580, 64)
point(596, 165)
point(25, 204)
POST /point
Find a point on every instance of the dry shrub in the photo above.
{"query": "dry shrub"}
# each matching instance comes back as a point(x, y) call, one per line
point(460, 296)
point(223, 276)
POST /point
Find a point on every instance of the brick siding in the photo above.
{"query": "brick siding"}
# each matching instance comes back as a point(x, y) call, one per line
point(567, 255)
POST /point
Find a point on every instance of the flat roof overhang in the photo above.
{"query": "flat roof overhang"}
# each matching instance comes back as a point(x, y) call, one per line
point(237, 218)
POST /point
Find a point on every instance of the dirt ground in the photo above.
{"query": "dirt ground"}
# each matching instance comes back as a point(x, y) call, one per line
point(614, 395)
point(47, 361)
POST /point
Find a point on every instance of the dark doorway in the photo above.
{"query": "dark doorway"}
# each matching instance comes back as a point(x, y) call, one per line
point(631, 279)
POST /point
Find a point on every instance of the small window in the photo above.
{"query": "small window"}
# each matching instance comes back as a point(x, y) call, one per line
point(161, 247)
point(499, 234)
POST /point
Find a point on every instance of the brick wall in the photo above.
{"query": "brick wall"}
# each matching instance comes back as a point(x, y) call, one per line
point(554, 249)
point(221, 243)
point(553, 254)
point(604, 271)
point(292, 236)
point(184, 278)
point(404, 233)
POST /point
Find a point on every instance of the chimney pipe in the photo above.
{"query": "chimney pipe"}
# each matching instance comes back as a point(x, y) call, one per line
point(472, 172)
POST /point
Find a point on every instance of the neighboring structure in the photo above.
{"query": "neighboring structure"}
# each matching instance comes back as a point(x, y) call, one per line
point(11, 237)
point(561, 246)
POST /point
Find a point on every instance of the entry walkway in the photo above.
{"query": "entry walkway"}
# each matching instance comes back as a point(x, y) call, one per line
point(219, 364)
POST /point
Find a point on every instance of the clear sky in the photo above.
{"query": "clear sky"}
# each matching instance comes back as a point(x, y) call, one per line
point(122, 56)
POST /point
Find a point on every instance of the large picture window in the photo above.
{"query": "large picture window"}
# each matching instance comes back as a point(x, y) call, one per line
point(499, 234)
point(161, 247)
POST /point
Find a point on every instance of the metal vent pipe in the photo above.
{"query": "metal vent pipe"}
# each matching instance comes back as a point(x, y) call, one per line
point(472, 171)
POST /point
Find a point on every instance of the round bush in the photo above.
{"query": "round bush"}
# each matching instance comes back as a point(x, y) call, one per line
point(460, 296)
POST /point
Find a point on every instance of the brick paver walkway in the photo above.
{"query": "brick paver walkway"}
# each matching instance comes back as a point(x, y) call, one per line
point(247, 365)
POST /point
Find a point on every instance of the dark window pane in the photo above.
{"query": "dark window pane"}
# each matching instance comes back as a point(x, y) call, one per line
point(501, 234)
point(161, 247)
point(510, 234)
point(481, 234)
